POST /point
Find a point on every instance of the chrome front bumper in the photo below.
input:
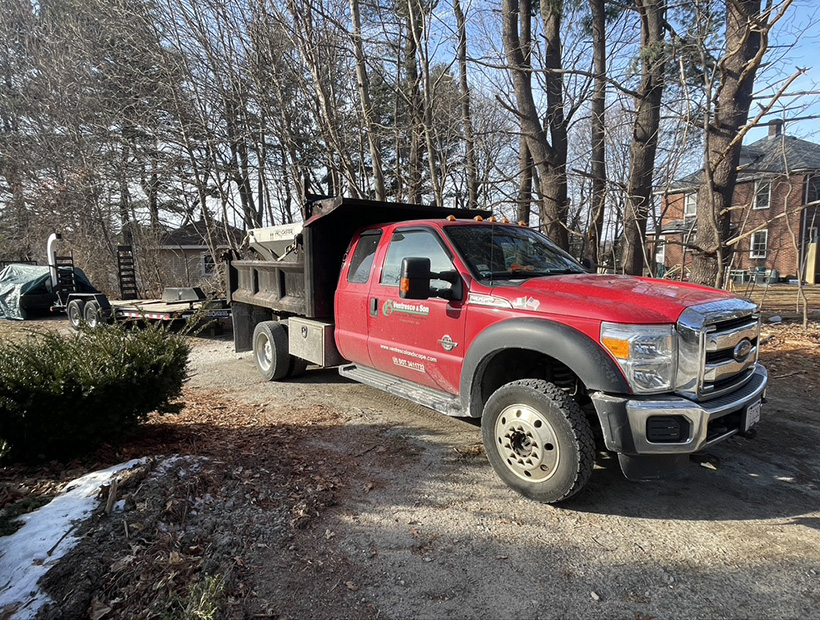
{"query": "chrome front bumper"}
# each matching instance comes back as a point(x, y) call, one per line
point(624, 419)
point(699, 416)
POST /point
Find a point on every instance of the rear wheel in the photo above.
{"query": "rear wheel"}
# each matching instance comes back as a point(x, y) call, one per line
point(270, 350)
point(74, 310)
point(538, 440)
point(91, 314)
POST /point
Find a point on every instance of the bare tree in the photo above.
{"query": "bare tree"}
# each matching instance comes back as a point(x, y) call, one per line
point(730, 92)
point(645, 133)
point(549, 155)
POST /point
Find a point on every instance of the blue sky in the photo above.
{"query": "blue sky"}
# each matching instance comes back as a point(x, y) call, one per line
point(795, 43)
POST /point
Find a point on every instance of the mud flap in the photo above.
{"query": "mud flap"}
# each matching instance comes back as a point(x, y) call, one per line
point(651, 466)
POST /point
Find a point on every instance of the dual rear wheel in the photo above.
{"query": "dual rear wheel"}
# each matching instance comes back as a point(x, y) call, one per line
point(270, 352)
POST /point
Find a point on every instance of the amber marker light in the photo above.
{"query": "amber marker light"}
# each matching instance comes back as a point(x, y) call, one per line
point(618, 348)
point(522, 223)
point(404, 285)
point(451, 218)
point(478, 218)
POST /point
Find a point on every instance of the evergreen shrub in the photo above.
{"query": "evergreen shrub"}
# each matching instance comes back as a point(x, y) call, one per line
point(62, 396)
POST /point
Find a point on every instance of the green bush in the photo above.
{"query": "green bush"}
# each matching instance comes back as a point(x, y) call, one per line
point(60, 397)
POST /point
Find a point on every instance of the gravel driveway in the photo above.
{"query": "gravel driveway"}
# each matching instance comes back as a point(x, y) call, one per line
point(424, 528)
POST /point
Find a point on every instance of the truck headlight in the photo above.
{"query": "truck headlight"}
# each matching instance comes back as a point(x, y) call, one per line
point(647, 354)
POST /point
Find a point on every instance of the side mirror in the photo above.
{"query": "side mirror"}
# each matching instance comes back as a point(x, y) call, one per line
point(415, 278)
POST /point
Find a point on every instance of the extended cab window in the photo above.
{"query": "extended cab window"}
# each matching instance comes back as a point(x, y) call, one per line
point(419, 243)
point(362, 260)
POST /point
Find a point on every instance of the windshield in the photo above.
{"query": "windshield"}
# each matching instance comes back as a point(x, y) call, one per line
point(509, 252)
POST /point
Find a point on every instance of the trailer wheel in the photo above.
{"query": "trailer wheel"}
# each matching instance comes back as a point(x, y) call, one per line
point(91, 314)
point(270, 350)
point(74, 310)
point(538, 440)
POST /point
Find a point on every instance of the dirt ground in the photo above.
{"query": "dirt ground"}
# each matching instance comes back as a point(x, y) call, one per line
point(318, 497)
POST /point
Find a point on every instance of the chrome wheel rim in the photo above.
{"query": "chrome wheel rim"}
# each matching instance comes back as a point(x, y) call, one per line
point(264, 352)
point(526, 442)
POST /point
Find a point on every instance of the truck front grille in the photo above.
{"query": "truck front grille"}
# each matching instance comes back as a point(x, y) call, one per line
point(718, 348)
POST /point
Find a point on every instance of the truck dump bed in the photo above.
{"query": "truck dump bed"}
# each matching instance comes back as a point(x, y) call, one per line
point(302, 282)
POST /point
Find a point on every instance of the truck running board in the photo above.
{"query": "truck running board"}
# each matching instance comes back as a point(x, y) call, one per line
point(428, 397)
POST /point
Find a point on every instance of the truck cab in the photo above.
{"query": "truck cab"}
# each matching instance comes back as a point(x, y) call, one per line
point(476, 317)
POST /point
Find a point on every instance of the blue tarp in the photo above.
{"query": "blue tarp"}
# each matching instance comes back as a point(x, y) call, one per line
point(18, 281)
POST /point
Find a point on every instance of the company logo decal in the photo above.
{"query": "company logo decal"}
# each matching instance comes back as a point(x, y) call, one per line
point(447, 343)
point(391, 306)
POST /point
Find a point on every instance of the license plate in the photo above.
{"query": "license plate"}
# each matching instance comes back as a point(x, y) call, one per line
point(752, 415)
point(217, 314)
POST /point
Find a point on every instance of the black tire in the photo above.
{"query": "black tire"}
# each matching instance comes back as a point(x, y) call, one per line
point(270, 350)
point(91, 314)
point(538, 440)
point(74, 311)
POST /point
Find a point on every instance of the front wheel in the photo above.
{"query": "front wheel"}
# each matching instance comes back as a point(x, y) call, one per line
point(538, 440)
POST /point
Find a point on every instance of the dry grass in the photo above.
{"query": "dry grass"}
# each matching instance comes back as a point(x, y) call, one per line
point(783, 299)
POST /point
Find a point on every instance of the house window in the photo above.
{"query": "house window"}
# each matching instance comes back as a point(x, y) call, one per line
point(763, 194)
point(208, 265)
point(660, 258)
point(690, 205)
point(760, 242)
point(813, 190)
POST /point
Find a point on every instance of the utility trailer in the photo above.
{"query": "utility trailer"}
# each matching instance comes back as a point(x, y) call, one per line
point(177, 305)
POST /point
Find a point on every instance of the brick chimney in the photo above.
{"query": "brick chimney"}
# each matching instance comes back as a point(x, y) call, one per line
point(775, 128)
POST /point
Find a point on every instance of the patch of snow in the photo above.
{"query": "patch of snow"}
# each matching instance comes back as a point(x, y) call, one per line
point(31, 551)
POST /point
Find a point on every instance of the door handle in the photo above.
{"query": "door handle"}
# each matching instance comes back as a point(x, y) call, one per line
point(374, 306)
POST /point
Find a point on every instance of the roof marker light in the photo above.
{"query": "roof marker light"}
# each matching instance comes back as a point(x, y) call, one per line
point(522, 223)
point(478, 218)
point(491, 218)
point(451, 218)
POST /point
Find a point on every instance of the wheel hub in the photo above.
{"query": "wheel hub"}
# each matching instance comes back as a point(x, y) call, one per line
point(526, 441)
point(265, 354)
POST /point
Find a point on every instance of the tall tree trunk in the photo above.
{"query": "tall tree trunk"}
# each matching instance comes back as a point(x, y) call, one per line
point(419, 33)
point(547, 160)
point(363, 84)
point(524, 182)
point(466, 114)
point(414, 97)
point(598, 151)
point(525, 163)
point(744, 52)
point(554, 179)
point(644, 134)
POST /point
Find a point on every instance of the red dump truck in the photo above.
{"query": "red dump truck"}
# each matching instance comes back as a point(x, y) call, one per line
point(475, 317)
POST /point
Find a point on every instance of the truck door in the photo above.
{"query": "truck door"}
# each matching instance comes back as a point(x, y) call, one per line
point(418, 340)
point(352, 299)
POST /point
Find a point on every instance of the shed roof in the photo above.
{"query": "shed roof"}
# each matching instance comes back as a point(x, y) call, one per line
point(195, 235)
